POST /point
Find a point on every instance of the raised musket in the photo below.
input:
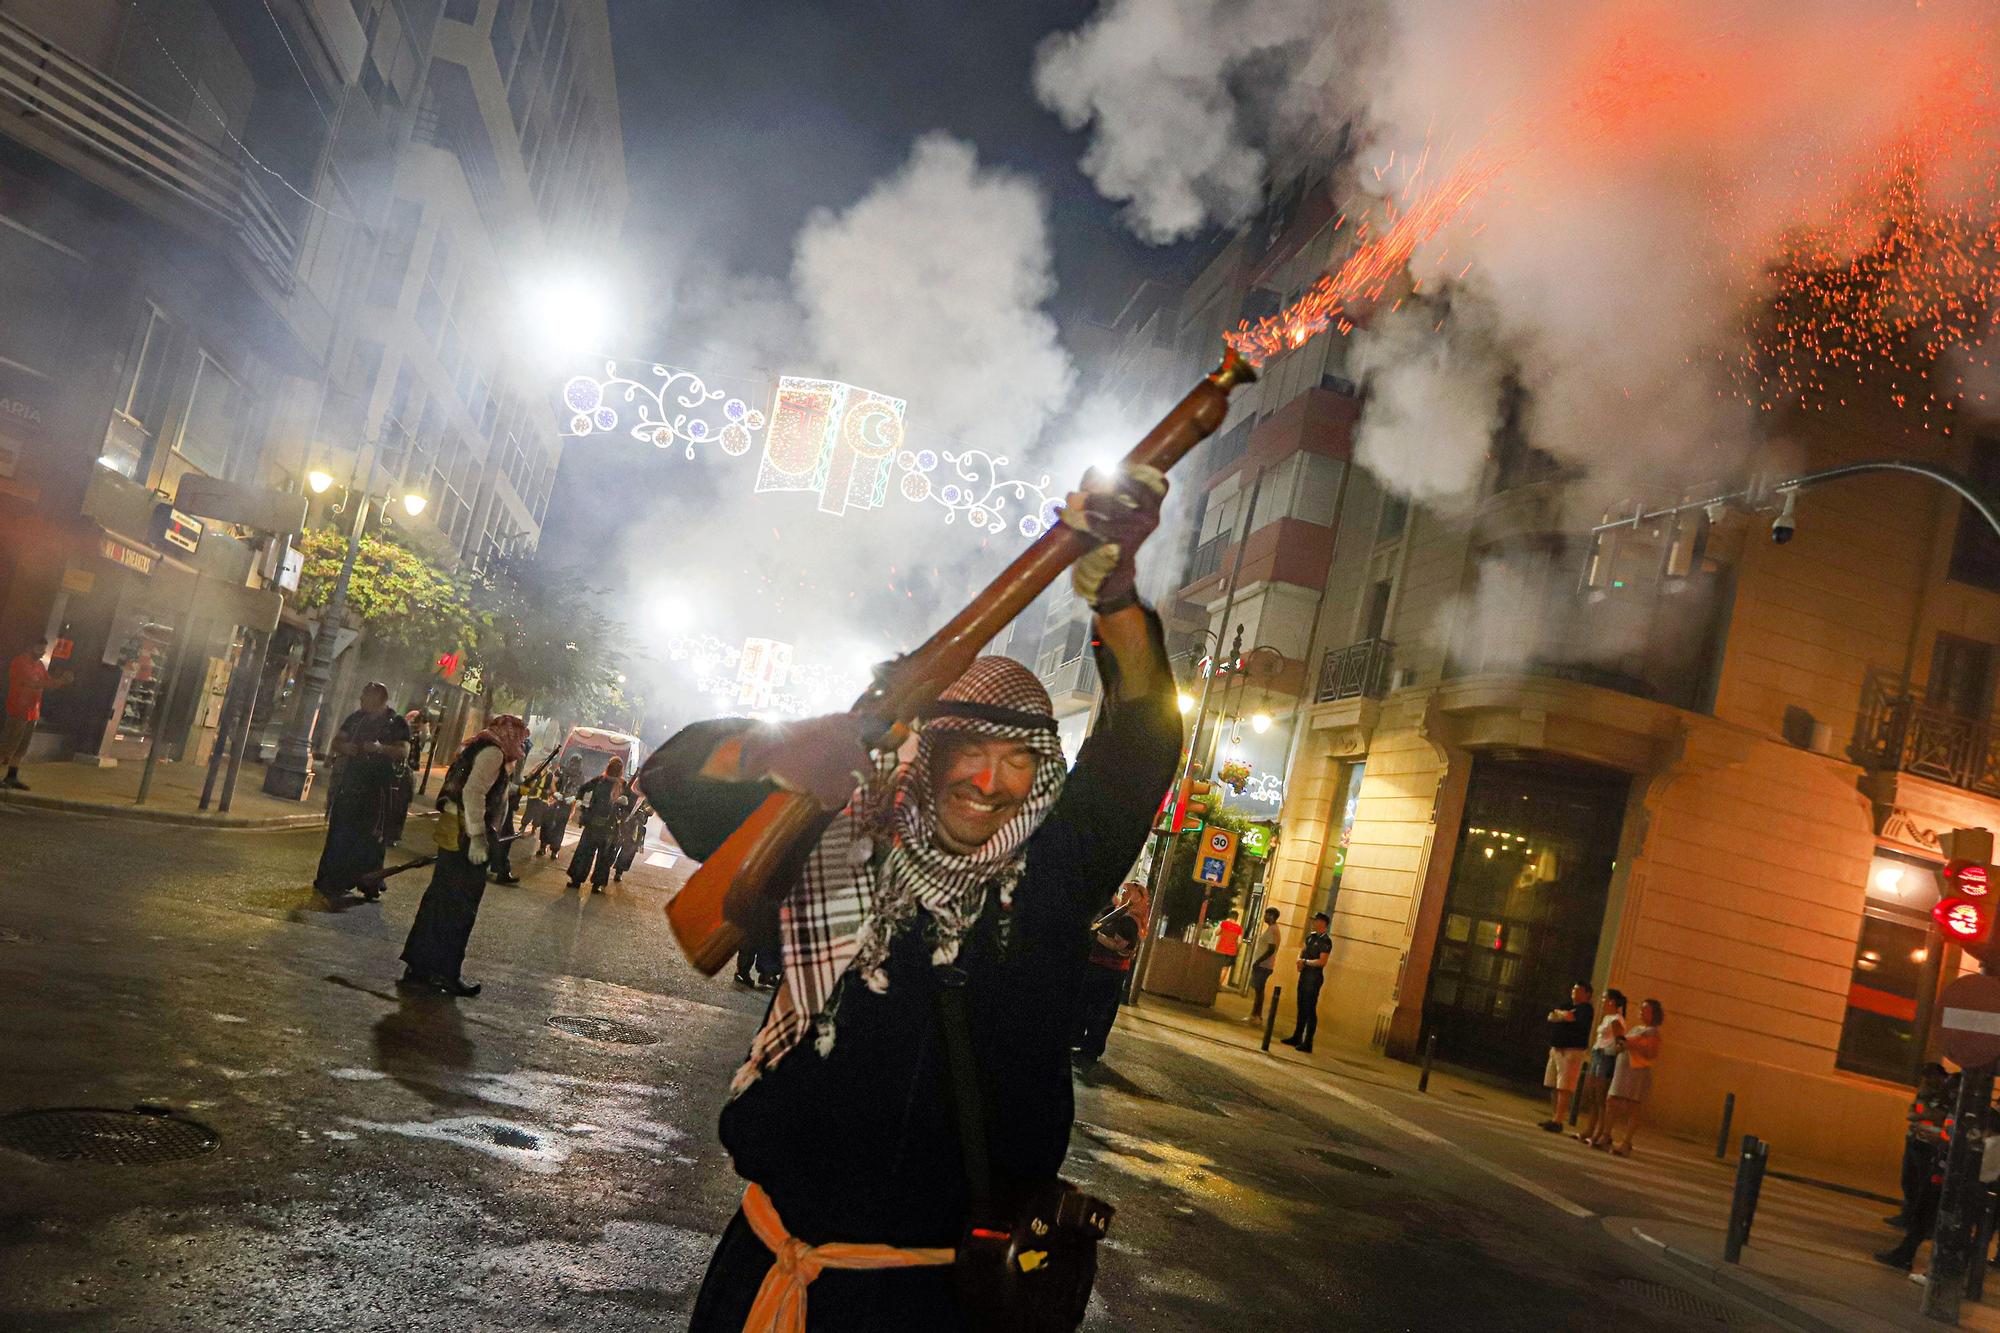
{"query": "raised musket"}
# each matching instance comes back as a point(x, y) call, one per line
point(739, 883)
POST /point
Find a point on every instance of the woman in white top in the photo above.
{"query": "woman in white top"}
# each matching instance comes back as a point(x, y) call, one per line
point(1597, 1074)
point(1632, 1078)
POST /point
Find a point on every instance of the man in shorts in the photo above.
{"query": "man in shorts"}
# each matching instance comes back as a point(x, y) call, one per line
point(1569, 1038)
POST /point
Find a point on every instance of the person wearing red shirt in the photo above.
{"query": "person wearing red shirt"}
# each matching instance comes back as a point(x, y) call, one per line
point(27, 678)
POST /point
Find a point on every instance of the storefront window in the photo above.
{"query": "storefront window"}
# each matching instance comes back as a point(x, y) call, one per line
point(1895, 972)
point(1334, 861)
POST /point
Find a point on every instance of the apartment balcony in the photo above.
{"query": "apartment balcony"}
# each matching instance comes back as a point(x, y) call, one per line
point(1358, 671)
point(1206, 562)
point(1900, 731)
point(1073, 685)
point(68, 110)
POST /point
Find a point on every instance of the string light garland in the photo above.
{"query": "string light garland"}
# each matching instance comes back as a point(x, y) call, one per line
point(848, 445)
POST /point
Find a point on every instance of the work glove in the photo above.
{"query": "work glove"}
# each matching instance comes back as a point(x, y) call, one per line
point(820, 757)
point(1118, 510)
point(475, 851)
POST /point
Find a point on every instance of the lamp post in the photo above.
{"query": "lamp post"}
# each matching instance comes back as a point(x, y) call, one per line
point(291, 770)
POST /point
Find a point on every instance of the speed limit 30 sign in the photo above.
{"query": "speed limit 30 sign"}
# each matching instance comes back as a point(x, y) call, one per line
point(1215, 857)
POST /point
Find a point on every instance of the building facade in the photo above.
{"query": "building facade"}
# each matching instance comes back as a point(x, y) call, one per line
point(254, 242)
point(1690, 762)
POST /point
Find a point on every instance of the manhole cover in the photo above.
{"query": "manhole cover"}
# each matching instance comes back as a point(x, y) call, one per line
point(98, 1134)
point(1675, 1299)
point(1360, 1166)
point(602, 1029)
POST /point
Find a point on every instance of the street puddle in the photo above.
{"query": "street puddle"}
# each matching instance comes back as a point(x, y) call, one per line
point(1191, 1174)
point(525, 1146)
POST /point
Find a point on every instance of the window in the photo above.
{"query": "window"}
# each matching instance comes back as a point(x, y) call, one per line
point(437, 281)
point(214, 415)
point(1515, 461)
point(507, 35)
point(1894, 977)
point(462, 11)
point(41, 280)
point(1975, 551)
point(1395, 517)
point(1961, 679)
point(142, 397)
point(392, 261)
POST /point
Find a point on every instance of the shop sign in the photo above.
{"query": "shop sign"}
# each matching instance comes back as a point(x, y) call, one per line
point(60, 650)
point(79, 581)
point(175, 528)
point(1256, 840)
point(129, 556)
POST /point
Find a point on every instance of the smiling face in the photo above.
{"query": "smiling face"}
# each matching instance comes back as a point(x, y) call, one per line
point(977, 785)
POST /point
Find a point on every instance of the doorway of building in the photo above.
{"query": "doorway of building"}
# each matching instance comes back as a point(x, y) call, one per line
point(1524, 909)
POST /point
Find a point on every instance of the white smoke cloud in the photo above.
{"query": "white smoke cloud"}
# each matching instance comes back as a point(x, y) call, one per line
point(1435, 401)
point(1186, 99)
point(1654, 161)
point(931, 288)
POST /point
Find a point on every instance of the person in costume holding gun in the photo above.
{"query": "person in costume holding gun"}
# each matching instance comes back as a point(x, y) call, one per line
point(910, 1083)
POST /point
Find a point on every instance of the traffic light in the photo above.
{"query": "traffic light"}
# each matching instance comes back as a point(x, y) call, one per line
point(1964, 908)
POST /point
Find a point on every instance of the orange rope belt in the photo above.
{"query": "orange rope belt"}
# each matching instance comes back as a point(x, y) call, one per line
point(781, 1300)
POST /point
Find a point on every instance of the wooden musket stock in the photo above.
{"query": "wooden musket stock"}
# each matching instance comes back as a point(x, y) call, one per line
point(731, 887)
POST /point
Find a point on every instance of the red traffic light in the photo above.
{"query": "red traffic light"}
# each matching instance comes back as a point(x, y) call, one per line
point(1967, 879)
point(1962, 920)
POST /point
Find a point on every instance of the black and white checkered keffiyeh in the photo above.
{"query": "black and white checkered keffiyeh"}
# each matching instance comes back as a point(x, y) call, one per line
point(877, 866)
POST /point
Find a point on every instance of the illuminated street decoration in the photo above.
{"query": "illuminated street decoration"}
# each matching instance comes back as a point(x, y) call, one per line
point(832, 439)
point(680, 409)
point(764, 677)
point(847, 445)
point(973, 484)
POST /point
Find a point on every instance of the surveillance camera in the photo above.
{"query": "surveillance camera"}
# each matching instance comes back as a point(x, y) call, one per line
point(1787, 521)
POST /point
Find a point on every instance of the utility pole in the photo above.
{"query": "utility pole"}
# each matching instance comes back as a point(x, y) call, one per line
point(1177, 798)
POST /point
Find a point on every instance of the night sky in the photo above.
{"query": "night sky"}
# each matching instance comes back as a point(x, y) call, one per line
point(742, 119)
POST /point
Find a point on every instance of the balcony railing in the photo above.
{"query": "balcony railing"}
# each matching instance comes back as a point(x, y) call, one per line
point(71, 101)
point(1900, 730)
point(1358, 671)
point(1076, 676)
point(1207, 558)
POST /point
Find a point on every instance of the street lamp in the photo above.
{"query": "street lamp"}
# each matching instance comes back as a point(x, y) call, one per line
point(291, 769)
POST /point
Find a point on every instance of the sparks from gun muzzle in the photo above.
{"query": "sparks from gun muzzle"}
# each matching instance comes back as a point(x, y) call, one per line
point(1382, 250)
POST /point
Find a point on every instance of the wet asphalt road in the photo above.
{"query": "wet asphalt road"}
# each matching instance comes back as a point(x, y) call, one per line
point(420, 1164)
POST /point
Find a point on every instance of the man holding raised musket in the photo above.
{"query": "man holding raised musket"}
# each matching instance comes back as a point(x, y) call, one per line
point(943, 909)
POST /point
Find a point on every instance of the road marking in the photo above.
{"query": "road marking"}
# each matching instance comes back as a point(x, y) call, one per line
point(1470, 1158)
point(664, 860)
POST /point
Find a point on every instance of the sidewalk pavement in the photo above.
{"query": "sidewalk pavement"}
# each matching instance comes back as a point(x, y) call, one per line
point(1808, 1287)
point(1226, 1022)
point(1816, 1287)
point(173, 798)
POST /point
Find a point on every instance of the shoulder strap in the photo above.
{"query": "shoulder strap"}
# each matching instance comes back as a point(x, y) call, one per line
point(967, 1096)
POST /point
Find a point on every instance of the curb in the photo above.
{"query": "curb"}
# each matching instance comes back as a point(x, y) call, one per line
point(1742, 1286)
point(144, 814)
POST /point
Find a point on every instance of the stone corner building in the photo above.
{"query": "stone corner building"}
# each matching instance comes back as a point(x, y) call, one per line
point(1715, 777)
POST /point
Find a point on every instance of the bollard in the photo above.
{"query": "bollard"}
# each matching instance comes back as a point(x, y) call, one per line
point(1271, 1015)
point(1743, 1203)
point(1728, 1114)
point(1430, 1049)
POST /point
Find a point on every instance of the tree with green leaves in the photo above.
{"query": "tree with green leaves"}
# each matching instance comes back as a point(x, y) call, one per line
point(1183, 895)
point(544, 643)
point(408, 609)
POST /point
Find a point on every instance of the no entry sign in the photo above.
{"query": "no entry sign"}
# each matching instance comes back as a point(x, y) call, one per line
point(1969, 1020)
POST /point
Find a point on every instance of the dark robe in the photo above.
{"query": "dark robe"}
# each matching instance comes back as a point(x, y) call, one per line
point(603, 803)
point(360, 815)
point(437, 940)
point(861, 1144)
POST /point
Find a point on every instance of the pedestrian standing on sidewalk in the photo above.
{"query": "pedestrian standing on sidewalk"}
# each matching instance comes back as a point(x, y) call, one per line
point(27, 680)
point(1114, 938)
point(1923, 1218)
point(601, 802)
point(1569, 1035)
point(1269, 941)
point(369, 750)
point(1597, 1071)
point(1632, 1078)
point(471, 802)
point(1312, 975)
point(1927, 1111)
